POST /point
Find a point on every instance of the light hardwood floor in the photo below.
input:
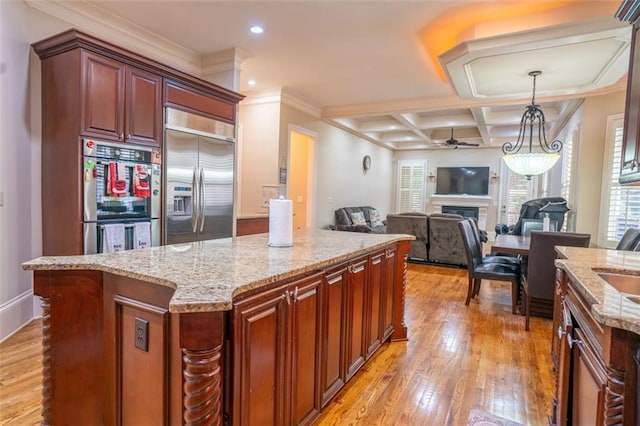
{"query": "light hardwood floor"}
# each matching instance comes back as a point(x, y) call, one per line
point(457, 358)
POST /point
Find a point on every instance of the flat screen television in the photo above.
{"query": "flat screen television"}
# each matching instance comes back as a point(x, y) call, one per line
point(462, 180)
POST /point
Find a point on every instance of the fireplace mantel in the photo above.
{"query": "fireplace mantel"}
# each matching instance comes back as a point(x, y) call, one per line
point(482, 202)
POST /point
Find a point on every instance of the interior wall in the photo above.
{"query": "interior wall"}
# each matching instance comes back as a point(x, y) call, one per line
point(340, 180)
point(593, 129)
point(258, 149)
point(454, 158)
point(20, 212)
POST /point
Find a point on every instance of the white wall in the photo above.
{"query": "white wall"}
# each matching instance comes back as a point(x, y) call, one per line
point(340, 181)
point(454, 158)
point(258, 148)
point(593, 130)
point(20, 213)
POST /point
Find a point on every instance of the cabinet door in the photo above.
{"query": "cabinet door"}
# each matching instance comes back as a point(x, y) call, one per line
point(629, 167)
point(588, 384)
point(563, 369)
point(143, 97)
point(102, 97)
point(332, 376)
point(259, 359)
point(373, 303)
point(305, 348)
point(355, 316)
point(387, 293)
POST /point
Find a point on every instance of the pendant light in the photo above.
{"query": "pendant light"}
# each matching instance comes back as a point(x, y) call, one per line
point(530, 163)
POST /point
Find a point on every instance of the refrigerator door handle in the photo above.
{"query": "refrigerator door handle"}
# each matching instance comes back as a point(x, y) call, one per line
point(194, 198)
point(201, 200)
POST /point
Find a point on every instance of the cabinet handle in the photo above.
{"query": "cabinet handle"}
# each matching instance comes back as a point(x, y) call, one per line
point(120, 136)
point(295, 294)
point(561, 333)
point(129, 137)
point(287, 297)
point(571, 341)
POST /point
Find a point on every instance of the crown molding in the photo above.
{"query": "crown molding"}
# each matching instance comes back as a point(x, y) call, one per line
point(225, 60)
point(297, 101)
point(93, 20)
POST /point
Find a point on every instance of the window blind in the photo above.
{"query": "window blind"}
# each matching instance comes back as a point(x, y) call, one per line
point(624, 201)
point(411, 182)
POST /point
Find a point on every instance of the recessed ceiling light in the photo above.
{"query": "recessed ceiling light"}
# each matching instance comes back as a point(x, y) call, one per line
point(256, 29)
point(251, 82)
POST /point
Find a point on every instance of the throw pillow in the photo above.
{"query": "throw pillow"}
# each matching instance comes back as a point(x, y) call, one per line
point(358, 218)
point(375, 218)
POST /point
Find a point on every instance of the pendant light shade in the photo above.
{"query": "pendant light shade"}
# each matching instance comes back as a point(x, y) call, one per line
point(532, 125)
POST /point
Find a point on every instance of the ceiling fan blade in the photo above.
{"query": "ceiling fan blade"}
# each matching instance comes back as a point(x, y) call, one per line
point(468, 144)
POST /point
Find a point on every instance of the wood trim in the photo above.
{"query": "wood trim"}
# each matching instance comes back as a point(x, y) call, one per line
point(399, 325)
point(46, 360)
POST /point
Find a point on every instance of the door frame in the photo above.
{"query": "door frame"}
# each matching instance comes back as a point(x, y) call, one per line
point(311, 169)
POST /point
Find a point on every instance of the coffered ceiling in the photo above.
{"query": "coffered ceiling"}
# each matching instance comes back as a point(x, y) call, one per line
point(401, 74)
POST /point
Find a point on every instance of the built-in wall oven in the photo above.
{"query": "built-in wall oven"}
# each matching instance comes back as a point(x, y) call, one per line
point(122, 190)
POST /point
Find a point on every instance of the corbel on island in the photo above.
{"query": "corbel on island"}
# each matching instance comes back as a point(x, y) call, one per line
point(226, 331)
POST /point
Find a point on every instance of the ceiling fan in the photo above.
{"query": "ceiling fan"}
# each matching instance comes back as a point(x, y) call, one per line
point(456, 143)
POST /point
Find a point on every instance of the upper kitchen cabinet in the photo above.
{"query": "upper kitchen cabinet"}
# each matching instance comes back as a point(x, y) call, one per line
point(630, 162)
point(120, 102)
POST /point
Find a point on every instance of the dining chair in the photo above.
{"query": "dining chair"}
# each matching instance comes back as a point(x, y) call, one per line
point(492, 257)
point(538, 281)
point(630, 240)
point(479, 269)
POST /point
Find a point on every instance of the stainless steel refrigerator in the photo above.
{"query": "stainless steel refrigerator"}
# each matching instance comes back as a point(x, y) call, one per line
point(199, 158)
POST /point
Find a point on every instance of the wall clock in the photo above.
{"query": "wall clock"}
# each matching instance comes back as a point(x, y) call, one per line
point(366, 163)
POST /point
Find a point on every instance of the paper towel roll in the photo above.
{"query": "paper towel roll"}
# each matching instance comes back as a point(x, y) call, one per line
point(280, 222)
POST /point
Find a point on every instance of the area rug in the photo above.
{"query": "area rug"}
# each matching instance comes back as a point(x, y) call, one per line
point(481, 418)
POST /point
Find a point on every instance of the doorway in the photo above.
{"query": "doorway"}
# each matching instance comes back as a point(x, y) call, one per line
point(300, 182)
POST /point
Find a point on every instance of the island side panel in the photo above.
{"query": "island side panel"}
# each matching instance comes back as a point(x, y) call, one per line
point(73, 352)
point(399, 326)
point(137, 351)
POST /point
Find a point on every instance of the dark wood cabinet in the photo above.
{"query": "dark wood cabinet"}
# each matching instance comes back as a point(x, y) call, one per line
point(93, 89)
point(373, 302)
point(332, 367)
point(355, 315)
point(277, 355)
point(630, 159)
point(120, 102)
point(595, 372)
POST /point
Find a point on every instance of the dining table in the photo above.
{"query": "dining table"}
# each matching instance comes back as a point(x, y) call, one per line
point(511, 244)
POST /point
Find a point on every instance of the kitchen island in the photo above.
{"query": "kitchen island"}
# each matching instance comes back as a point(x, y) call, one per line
point(220, 331)
point(595, 347)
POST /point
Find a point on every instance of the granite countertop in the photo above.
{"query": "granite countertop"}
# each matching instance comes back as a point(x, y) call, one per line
point(207, 275)
point(609, 306)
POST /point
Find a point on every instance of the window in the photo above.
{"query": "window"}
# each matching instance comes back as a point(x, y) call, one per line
point(411, 185)
point(623, 209)
point(516, 190)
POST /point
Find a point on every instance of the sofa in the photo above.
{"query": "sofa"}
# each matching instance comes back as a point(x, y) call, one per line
point(438, 238)
point(360, 219)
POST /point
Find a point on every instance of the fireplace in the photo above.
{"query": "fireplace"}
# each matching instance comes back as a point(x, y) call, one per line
point(462, 211)
point(438, 203)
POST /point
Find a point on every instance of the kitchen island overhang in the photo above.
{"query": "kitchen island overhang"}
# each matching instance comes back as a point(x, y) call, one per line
point(165, 328)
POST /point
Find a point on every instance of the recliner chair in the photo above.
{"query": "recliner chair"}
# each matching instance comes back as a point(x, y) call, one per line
point(555, 207)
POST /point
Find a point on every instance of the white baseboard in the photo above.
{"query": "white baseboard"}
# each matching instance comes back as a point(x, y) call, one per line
point(15, 314)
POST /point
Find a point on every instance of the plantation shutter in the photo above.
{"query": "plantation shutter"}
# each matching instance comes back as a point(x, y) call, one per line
point(567, 183)
point(624, 201)
point(411, 185)
point(518, 190)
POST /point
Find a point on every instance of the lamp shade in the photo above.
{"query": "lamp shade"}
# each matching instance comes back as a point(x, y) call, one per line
point(531, 163)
